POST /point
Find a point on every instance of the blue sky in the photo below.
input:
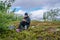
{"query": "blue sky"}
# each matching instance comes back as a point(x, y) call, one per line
point(27, 10)
point(32, 5)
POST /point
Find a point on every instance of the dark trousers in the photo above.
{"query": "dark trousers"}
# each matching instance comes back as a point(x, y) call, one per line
point(23, 24)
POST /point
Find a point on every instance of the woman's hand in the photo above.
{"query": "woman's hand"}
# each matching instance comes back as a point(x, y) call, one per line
point(24, 20)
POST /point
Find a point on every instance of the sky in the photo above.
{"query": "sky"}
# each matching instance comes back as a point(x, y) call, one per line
point(35, 7)
point(31, 5)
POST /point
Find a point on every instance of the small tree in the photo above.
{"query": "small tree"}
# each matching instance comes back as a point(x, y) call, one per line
point(5, 5)
point(45, 16)
point(4, 17)
point(52, 14)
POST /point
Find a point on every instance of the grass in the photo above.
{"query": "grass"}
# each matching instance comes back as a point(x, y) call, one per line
point(37, 31)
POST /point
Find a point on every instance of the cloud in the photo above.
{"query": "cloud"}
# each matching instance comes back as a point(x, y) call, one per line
point(38, 14)
point(29, 4)
point(20, 12)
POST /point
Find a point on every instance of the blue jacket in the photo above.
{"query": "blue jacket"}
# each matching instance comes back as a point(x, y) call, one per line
point(27, 20)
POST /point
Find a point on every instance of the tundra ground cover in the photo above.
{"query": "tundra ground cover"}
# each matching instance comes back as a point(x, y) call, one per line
point(46, 31)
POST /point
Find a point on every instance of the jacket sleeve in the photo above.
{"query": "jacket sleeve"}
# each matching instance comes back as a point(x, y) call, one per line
point(28, 20)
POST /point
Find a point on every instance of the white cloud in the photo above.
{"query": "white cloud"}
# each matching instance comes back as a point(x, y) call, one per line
point(20, 12)
point(38, 14)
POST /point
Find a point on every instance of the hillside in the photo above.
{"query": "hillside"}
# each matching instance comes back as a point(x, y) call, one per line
point(37, 23)
point(37, 31)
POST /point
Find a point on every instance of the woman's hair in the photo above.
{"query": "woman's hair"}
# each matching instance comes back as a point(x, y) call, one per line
point(27, 15)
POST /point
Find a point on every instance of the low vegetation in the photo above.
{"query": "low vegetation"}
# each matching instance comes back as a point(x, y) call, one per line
point(42, 31)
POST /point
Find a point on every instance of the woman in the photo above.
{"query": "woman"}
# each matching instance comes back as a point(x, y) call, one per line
point(25, 22)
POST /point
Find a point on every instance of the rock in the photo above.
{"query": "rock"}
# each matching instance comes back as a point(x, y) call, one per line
point(57, 29)
point(33, 26)
point(11, 27)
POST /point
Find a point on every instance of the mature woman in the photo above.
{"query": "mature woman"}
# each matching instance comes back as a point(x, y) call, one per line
point(25, 23)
